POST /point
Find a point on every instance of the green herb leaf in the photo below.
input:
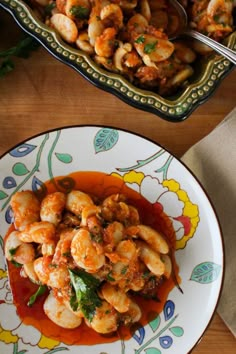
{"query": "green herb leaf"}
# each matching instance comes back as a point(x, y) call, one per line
point(86, 297)
point(48, 8)
point(22, 50)
point(41, 290)
point(140, 39)
point(109, 277)
point(12, 251)
point(150, 47)
point(80, 12)
point(16, 264)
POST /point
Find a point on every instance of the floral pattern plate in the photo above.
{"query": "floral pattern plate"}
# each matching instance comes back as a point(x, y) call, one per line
point(162, 179)
point(208, 73)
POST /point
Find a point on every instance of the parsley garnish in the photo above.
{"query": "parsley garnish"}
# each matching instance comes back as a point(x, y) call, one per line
point(80, 12)
point(41, 290)
point(150, 47)
point(85, 293)
point(140, 39)
point(22, 50)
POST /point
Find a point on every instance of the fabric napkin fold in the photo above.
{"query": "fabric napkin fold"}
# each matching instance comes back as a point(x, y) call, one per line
point(213, 161)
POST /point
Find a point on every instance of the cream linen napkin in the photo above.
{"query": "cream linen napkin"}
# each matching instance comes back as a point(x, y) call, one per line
point(213, 161)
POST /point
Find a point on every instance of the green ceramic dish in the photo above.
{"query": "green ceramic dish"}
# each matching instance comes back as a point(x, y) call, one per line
point(176, 108)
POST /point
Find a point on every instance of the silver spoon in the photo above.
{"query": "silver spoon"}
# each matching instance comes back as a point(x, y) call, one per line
point(184, 29)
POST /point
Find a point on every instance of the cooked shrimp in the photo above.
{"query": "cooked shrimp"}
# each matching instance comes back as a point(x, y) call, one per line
point(51, 274)
point(113, 234)
point(115, 208)
point(58, 313)
point(116, 297)
point(25, 207)
point(105, 319)
point(137, 23)
point(77, 9)
point(77, 200)
point(39, 232)
point(151, 236)
point(18, 251)
point(52, 206)
point(89, 211)
point(105, 43)
point(65, 26)
point(151, 258)
point(112, 16)
point(84, 252)
point(220, 11)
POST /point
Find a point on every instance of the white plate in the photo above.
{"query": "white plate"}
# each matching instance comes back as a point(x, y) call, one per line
point(160, 178)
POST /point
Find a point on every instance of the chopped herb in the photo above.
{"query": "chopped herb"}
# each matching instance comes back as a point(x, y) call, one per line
point(41, 290)
point(52, 265)
point(124, 270)
point(16, 264)
point(48, 8)
point(109, 277)
point(150, 47)
point(80, 12)
point(86, 297)
point(98, 18)
point(22, 50)
point(66, 254)
point(140, 39)
point(12, 251)
point(96, 236)
point(216, 18)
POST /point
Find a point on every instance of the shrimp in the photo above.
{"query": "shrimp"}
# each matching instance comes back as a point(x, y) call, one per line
point(84, 252)
point(116, 297)
point(105, 319)
point(151, 258)
point(151, 236)
point(26, 208)
point(77, 200)
point(113, 234)
point(18, 251)
point(112, 16)
point(89, 211)
point(137, 23)
point(51, 274)
point(39, 232)
point(115, 208)
point(63, 248)
point(105, 44)
point(52, 207)
point(58, 313)
point(65, 26)
point(220, 11)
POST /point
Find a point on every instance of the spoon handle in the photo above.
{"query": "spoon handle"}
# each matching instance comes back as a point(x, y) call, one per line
point(218, 47)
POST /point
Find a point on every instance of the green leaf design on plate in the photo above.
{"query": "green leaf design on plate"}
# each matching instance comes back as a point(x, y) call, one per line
point(152, 351)
point(1, 241)
point(105, 139)
point(206, 272)
point(20, 169)
point(66, 158)
point(154, 324)
point(3, 195)
point(177, 331)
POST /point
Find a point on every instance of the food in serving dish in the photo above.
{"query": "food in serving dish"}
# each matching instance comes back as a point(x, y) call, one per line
point(93, 256)
point(131, 37)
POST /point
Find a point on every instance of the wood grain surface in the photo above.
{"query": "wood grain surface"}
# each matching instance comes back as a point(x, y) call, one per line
point(42, 93)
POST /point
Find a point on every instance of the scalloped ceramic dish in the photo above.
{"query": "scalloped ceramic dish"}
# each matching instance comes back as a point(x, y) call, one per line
point(175, 108)
point(171, 189)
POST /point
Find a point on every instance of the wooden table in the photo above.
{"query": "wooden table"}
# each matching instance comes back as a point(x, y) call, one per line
point(42, 93)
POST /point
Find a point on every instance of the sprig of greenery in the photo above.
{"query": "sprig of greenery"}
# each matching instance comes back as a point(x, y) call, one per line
point(41, 290)
point(86, 297)
point(22, 49)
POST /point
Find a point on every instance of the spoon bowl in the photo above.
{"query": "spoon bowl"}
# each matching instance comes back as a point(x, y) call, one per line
point(183, 29)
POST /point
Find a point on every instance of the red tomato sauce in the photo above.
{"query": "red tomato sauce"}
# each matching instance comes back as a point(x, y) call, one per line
point(99, 185)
